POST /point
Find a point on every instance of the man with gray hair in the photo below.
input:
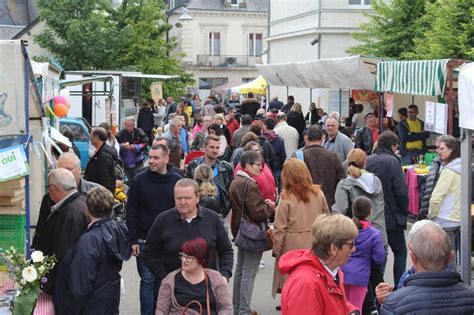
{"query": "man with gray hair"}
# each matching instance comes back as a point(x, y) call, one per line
point(173, 137)
point(336, 141)
point(68, 161)
point(133, 143)
point(432, 289)
point(66, 223)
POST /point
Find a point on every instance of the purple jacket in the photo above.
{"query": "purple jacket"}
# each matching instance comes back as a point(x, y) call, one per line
point(369, 247)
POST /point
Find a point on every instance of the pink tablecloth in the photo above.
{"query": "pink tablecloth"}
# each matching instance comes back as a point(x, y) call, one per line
point(44, 305)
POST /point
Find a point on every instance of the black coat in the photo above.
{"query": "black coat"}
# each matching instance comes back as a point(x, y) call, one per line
point(63, 227)
point(431, 293)
point(169, 232)
point(250, 107)
point(296, 120)
point(88, 277)
point(145, 120)
point(101, 168)
point(210, 202)
point(364, 140)
point(387, 167)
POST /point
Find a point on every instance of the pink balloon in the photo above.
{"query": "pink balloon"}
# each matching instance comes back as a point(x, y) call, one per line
point(60, 100)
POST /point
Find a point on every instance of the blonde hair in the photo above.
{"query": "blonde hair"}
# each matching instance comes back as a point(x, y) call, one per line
point(203, 176)
point(221, 117)
point(297, 108)
point(356, 161)
point(331, 229)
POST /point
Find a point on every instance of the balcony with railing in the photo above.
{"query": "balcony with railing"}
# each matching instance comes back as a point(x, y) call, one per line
point(225, 61)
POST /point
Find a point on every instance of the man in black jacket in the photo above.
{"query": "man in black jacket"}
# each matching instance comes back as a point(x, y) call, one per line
point(386, 166)
point(187, 221)
point(432, 289)
point(101, 166)
point(367, 135)
point(250, 106)
point(88, 277)
point(412, 136)
point(150, 194)
point(66, 223)
point(223, 171)
point(68, 161)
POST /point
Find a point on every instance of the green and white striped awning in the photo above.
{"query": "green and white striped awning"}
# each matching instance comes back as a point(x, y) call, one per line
point(424, 77)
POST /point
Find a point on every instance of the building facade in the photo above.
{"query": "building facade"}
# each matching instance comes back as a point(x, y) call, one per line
point(223, 42)
point(303, 30)
point(15, 15)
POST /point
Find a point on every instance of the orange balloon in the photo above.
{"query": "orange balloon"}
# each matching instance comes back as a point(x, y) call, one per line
point(60, 110)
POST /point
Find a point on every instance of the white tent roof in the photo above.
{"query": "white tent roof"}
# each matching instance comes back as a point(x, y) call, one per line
point(337, 73)
point(466, 96)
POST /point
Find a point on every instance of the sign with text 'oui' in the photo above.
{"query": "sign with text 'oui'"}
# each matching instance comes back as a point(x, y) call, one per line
point(13, 163)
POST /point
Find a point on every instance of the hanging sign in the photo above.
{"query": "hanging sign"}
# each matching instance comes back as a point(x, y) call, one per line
point(436, 117)
point(389, 104)
point(13, 163)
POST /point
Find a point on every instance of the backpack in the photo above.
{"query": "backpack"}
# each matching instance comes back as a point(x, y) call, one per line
point(299, 154)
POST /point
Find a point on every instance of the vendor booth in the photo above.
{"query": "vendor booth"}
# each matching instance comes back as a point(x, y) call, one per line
point(257, 86)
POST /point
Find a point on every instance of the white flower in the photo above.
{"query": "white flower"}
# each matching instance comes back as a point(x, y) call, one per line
point(37, 256)
point(29, 274)
point(22, 282)
point(41, 269)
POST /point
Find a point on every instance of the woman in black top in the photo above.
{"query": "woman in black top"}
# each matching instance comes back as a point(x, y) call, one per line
point(296, 120)
point(194, 287)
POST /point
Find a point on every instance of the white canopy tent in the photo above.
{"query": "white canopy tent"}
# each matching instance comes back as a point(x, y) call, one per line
point(466, 122)
point(338, 73)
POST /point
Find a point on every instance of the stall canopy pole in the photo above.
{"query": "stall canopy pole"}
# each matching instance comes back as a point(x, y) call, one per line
point(27, 117)
point(466, 221)
point(380, 110)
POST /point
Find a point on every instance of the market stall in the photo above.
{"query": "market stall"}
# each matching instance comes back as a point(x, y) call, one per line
point(257, 86)
point(20, 125)
point(430, 78)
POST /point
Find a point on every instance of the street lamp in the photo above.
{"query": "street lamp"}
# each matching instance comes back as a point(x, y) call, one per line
point(184, 17)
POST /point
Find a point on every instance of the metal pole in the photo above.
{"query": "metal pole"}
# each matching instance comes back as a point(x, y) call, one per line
point(466, 221)
point(27, 123)
point(380, 110)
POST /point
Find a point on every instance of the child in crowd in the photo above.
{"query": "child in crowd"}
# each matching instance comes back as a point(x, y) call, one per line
point(369, 247)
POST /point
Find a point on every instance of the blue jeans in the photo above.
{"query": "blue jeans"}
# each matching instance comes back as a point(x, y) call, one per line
point(148, 286)
point(244, 279)
point(411, 157)
point(396, 241)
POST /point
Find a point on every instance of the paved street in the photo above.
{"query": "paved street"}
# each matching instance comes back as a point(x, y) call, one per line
point(262, 300)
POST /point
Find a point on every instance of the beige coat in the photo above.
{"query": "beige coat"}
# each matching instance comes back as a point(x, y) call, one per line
point(292, 228)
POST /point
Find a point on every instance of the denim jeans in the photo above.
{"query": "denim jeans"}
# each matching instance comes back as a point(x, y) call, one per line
point(411, 157)
point(244, 279)
point(396, 241)
point(148, 287)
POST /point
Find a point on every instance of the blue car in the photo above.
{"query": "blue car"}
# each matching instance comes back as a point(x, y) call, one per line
point(81, 129)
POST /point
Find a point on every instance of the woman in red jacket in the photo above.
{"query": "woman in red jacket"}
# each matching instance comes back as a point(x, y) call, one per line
point(315, 282)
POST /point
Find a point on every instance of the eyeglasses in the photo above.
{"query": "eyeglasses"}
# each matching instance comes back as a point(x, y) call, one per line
point(351, 244)
point(47, 187)
point(259, 165)
point(186, 258)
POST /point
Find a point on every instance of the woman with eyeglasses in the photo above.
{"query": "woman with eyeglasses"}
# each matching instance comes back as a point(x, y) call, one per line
point(445, 201)
point(315, 282)
point(265, 180)
point(194, 289)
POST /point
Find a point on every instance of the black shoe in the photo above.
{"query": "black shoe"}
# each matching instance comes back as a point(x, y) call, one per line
point(278, 307)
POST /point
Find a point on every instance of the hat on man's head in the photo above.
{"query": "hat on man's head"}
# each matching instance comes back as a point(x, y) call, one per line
point(368, 114)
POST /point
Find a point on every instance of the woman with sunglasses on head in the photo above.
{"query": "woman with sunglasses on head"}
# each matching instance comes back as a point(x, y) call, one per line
point(192, 287)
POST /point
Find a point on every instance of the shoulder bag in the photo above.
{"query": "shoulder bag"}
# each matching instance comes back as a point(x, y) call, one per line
point(208, 302)
point(251, 236)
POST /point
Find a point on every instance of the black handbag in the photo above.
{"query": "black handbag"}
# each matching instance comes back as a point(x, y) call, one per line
point(251, 236)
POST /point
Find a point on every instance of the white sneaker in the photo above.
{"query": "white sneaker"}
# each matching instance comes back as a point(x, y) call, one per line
point(262, 264)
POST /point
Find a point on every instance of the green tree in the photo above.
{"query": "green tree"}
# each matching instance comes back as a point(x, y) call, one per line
point(93, 35)
point(449, 32)
point(390, 29)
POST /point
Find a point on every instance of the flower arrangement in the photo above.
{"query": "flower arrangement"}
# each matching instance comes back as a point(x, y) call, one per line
point(29, 276)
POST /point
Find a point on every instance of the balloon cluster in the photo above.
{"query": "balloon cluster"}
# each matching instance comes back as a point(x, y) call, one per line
point(62, 103)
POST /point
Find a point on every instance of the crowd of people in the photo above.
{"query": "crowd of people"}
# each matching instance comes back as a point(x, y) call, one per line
point(327, 198)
